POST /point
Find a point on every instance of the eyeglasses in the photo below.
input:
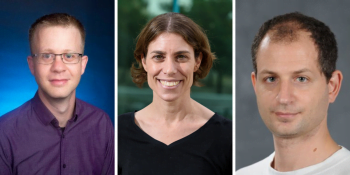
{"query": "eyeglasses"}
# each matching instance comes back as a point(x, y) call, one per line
point(67, 58)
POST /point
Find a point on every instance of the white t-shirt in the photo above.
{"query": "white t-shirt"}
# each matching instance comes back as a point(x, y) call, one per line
point(337, 164)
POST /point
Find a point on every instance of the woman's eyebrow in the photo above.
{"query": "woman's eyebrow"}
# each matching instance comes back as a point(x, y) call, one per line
point(158, 52)
point(181, 52)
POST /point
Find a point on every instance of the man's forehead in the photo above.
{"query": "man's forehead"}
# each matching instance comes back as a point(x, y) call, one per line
point(45, 31)
point(300, 36)
point(43, 27)
point(279, 53)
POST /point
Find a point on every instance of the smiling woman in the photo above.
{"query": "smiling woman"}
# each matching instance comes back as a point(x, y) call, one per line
point(170, 64)
point(174, 134)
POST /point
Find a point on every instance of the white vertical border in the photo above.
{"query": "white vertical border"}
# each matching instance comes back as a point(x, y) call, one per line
point(116, 87)
point(234, 85)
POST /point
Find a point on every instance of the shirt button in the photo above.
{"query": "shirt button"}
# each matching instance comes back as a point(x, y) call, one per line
point(64, 165)
point(62, 135)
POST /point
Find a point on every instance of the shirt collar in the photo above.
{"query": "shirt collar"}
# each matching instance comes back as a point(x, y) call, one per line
point(41, 110)
point(45, 115)
point(79, 109)
point(76, 110)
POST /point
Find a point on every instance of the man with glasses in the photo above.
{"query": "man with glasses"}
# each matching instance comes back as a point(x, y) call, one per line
point(54, 132)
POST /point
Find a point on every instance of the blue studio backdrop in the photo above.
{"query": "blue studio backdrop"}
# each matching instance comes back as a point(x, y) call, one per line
point(18, 85)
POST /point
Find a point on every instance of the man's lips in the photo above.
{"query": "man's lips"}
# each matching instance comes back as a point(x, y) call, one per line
point(286, 114)
point(58, 82)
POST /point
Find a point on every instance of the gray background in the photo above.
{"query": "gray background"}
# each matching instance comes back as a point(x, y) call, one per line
point(253, 140)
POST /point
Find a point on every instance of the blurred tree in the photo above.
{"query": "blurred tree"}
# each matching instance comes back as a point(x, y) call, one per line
point(215, 16)
point(132, 16)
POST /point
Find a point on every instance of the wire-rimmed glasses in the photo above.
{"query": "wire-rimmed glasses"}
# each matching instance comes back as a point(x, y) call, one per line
point(67, 58)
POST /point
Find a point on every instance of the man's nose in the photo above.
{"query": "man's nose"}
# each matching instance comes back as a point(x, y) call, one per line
point(58, 65)
point(285, 93)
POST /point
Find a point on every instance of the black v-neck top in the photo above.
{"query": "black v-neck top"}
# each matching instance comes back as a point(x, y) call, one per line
point(207, 151)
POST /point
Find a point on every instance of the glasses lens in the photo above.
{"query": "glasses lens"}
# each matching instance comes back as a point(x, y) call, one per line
point(71, 57)
point(45, 58)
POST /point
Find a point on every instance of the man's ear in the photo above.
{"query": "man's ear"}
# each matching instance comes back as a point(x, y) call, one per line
point(30, 61)
point(198, 62)
point(143, 61)
point(334, 85)
point(84, 61)
point(253, 78)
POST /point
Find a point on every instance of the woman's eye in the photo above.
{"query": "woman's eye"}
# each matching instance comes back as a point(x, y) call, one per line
point(158, 57)
point(181, 57)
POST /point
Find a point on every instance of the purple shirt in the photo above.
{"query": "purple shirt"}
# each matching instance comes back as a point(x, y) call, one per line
point(31, 141)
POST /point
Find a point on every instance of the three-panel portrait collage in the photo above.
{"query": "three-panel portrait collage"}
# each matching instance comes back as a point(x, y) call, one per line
point(175, 87)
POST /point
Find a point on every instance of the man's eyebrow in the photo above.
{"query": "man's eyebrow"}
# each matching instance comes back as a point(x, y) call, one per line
point(67, 51)
point(51, 51)
point(46, 51)
point(302, 71)
point(266, 72)
point(295, 72)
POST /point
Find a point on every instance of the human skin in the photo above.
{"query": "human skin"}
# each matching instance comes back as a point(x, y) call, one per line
point(173, 114)
point(57, 81)
point(292, 92)
point(170, 64)
point(293, 96)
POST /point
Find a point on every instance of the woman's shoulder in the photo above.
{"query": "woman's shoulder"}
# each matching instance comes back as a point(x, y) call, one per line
point(126, 119)
point(222, 121)
point(125, 115)
point(221, 127)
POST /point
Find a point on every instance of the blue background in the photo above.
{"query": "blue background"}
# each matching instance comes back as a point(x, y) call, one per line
point(17, 84)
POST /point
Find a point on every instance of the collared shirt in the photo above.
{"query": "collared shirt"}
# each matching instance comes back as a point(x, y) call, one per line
point(31, 141)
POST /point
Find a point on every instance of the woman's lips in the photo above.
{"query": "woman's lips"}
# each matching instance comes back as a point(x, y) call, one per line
point(169, 84)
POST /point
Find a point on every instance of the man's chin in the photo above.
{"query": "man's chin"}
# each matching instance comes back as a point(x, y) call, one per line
point(285, 133)
point(57, 95)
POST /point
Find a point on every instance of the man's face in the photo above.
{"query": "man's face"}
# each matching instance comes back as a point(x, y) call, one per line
point(57, 80)
point(292, 93)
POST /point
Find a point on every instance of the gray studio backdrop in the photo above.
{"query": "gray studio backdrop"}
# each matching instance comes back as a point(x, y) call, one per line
point(253, 140)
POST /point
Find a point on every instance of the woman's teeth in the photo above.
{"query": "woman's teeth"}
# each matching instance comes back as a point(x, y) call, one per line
point(169, 83)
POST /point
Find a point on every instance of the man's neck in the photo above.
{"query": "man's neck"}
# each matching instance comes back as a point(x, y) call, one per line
point(303, 151)
point(61, 108)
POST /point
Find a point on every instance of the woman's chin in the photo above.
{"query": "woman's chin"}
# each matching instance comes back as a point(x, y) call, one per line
point(169, 97)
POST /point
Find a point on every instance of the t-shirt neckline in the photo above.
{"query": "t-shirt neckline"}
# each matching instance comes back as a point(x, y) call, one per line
point(176, 142)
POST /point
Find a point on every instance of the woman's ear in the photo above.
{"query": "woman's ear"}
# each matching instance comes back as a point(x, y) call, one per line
point(143, 60)
point(198, 62)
